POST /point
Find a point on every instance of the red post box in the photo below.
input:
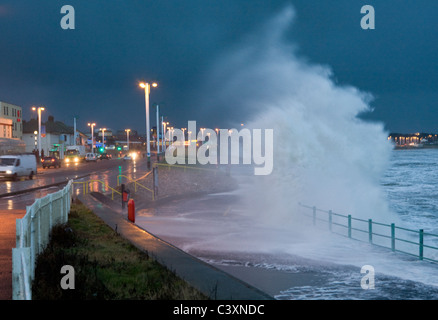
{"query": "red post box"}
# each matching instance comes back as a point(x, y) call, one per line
point(131, 210)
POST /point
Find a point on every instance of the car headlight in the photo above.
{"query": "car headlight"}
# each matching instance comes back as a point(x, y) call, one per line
point(67, 160)
point(76, 159)
point(8, 172)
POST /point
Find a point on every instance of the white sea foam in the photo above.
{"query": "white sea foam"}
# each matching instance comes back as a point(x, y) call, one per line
point(324, 155)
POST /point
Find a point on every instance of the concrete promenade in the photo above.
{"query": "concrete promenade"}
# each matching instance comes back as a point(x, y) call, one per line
point(211, 281)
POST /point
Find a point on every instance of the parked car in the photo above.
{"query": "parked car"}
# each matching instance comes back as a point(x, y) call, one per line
point(14, 166)
point(91, 157)
point(131, 156)
point(48, 162)
point(105, 156)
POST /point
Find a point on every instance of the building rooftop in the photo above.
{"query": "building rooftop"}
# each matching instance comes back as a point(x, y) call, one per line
point(52, 126)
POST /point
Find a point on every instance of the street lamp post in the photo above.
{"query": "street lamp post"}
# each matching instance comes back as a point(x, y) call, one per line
point(39, 109)
point(92, 135)
point(147, 88)
point(184, 135)
point(163, 133)
point(127, 136)
point(171, 135)
point(158, 130)
point(36, 139)
point(166, 128)
point(103, 137)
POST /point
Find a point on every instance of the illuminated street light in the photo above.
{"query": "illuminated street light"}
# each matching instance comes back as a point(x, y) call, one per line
point(147, 89)
point(92, 135)
point(158, 129)
point(103, 137)
point(39, 109)
point(163, 124)
point(127, 136)
point(36, 139)
point(164, 134)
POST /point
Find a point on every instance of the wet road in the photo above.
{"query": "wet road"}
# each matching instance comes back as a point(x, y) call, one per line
point(105, 170)
point(99, 170)
point(16, 195)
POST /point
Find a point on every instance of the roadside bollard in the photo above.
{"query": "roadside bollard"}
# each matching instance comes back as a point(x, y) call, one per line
point(131, 210)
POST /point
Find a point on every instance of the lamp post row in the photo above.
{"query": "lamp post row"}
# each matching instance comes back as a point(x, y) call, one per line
point(147, 87)
point(39, 109)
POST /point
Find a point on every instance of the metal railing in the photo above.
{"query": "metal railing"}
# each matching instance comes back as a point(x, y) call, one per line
point(184, 167)
point(398, 239)
point(87, 186)
point(135, 182)
point(33, 235)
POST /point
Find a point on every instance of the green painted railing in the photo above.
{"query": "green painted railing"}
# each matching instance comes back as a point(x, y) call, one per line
point(398, 239)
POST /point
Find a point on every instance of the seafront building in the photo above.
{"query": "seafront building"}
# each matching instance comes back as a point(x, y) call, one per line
point(55, 137)
point(10, 121)
point(11, 128)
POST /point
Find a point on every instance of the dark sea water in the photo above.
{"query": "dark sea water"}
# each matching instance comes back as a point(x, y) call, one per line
point(312, 262)
point(411, 188)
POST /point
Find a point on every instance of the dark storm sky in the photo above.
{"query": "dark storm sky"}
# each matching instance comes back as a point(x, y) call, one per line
point(93, 71)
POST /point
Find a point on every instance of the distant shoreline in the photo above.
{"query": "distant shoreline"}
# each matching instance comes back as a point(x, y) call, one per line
point(424, 146)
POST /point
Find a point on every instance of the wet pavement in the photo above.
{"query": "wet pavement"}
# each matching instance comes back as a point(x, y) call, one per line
point(16, 195)
point(7, 242)
point(212, 281)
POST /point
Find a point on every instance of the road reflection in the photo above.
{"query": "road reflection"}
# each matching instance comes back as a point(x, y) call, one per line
point(8, 186)
point(19, 202)
point(100, 174)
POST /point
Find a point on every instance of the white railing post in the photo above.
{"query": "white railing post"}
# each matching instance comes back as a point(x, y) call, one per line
point(21, 269)
point(34, 233)
point(32, 236)
point(51, 212)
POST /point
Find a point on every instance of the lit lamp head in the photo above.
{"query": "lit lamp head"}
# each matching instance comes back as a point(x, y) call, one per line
point(143, 84)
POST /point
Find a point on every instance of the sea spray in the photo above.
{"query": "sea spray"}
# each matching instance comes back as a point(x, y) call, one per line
point(324, 154)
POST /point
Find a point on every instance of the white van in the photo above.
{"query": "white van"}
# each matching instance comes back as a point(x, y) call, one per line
point(91, 157)
point(20, 165)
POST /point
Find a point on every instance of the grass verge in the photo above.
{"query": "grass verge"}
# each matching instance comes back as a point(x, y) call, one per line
point(106, 266)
